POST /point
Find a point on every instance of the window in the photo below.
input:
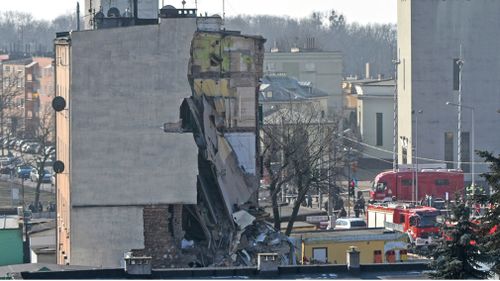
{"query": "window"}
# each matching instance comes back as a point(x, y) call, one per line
point(441, 182)
point(406, 182)
point(448, 149)
point(379, 128)
point(320, 254)
point(465, 152)
point(358, 224)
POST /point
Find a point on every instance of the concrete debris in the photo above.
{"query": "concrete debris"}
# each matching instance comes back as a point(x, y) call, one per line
point(243, 219)
point(186, 244)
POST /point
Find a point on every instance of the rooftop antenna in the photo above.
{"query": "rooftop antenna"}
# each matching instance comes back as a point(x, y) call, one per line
point(78, 16)
point(223, 10)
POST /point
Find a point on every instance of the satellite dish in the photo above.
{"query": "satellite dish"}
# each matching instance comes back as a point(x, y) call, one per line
point(58, 103)
point(113, 13)
point(58, 167)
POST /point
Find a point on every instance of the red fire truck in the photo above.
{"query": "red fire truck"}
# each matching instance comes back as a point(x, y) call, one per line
point(419, 222)
point(402, 185)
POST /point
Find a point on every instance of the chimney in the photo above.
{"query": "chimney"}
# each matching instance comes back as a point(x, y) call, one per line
point(267, 264)
point(367, 70)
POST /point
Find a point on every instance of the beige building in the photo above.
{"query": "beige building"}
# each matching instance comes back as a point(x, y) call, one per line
point(322, 69)
point(20, 85)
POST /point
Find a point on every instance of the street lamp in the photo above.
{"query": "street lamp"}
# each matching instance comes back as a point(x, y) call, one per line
point(473, 137)
point(416, 151)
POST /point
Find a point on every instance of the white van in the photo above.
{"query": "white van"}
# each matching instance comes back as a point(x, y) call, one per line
point(350, 223)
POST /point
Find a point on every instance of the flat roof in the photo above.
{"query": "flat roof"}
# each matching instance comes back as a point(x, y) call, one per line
point(348, 235)
point(9, 222)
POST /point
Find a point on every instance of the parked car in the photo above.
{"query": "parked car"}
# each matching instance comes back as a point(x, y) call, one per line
point(45, 178)
point(350, 223)
point(12, 143)
point(23, 172)
point(33, 148)
point(18, 144)
point(50, 149)
point(7, 169)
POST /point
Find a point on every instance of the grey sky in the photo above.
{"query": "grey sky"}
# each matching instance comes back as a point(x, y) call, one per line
point(362, 11)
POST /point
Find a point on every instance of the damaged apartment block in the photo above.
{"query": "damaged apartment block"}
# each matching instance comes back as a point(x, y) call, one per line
point(178, 197)
point(224, 72)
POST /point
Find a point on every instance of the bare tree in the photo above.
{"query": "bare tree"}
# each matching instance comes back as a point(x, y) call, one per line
point(43, 138)
point(299, 141)
point(11, 91)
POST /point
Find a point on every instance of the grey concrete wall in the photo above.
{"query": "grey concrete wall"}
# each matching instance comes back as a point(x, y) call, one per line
point(126, 82)
point(438, 27)
point(100, 236)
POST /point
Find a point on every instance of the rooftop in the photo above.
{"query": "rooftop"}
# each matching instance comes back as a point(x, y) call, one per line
point(9, 222)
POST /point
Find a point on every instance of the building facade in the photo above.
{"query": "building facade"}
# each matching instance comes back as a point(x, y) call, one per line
point(322, 69)
point(120, 86)
point(375, 117)
point(431, 35)
point(156, 132)
point(20, 97)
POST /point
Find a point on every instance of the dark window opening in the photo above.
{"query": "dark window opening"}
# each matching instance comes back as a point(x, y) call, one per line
point(379, 128)
point(448, 149)
point(465, 159)
point(441, 182)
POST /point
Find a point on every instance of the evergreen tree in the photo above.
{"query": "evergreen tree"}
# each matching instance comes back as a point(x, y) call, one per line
point(491, 221)
point(457, 255)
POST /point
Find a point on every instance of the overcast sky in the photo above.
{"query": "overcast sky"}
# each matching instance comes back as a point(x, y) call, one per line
point(362, 11)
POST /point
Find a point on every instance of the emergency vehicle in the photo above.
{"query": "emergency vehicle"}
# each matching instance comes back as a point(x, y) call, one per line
point(402, 185)
point(419, 222)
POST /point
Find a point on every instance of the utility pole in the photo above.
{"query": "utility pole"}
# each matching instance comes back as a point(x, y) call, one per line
point(460, 64)
point(396, 62)
point(416, 152)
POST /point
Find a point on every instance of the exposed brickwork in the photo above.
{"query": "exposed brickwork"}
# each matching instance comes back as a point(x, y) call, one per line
point(162, 235)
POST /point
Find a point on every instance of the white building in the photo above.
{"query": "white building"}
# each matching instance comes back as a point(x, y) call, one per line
point(376, 117)
point(430, 33)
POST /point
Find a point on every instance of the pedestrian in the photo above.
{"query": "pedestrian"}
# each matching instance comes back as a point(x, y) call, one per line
point(343, 213)
point(356, 209)
point(309, 201)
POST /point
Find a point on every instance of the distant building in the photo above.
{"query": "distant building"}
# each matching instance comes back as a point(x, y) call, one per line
point(322, 69)
point(279, 89)
point(428, 43)
point(372, 105)
point(19, 80)
point(374, 245)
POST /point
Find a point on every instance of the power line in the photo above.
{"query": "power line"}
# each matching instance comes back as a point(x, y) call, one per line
point(420, 158)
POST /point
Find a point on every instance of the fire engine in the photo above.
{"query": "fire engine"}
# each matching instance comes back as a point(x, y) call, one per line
point(402, 185)
point(419, 222)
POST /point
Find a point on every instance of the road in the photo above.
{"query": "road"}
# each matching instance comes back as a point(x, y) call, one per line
point(6, 185)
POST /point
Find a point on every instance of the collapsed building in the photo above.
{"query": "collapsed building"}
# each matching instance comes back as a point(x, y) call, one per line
point(152, 163)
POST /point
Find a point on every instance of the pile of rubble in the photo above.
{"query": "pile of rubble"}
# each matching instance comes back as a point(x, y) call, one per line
point(253, 236)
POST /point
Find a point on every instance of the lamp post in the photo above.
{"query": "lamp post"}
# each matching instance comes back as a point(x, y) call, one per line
point(416, 151)
point(459, 106)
